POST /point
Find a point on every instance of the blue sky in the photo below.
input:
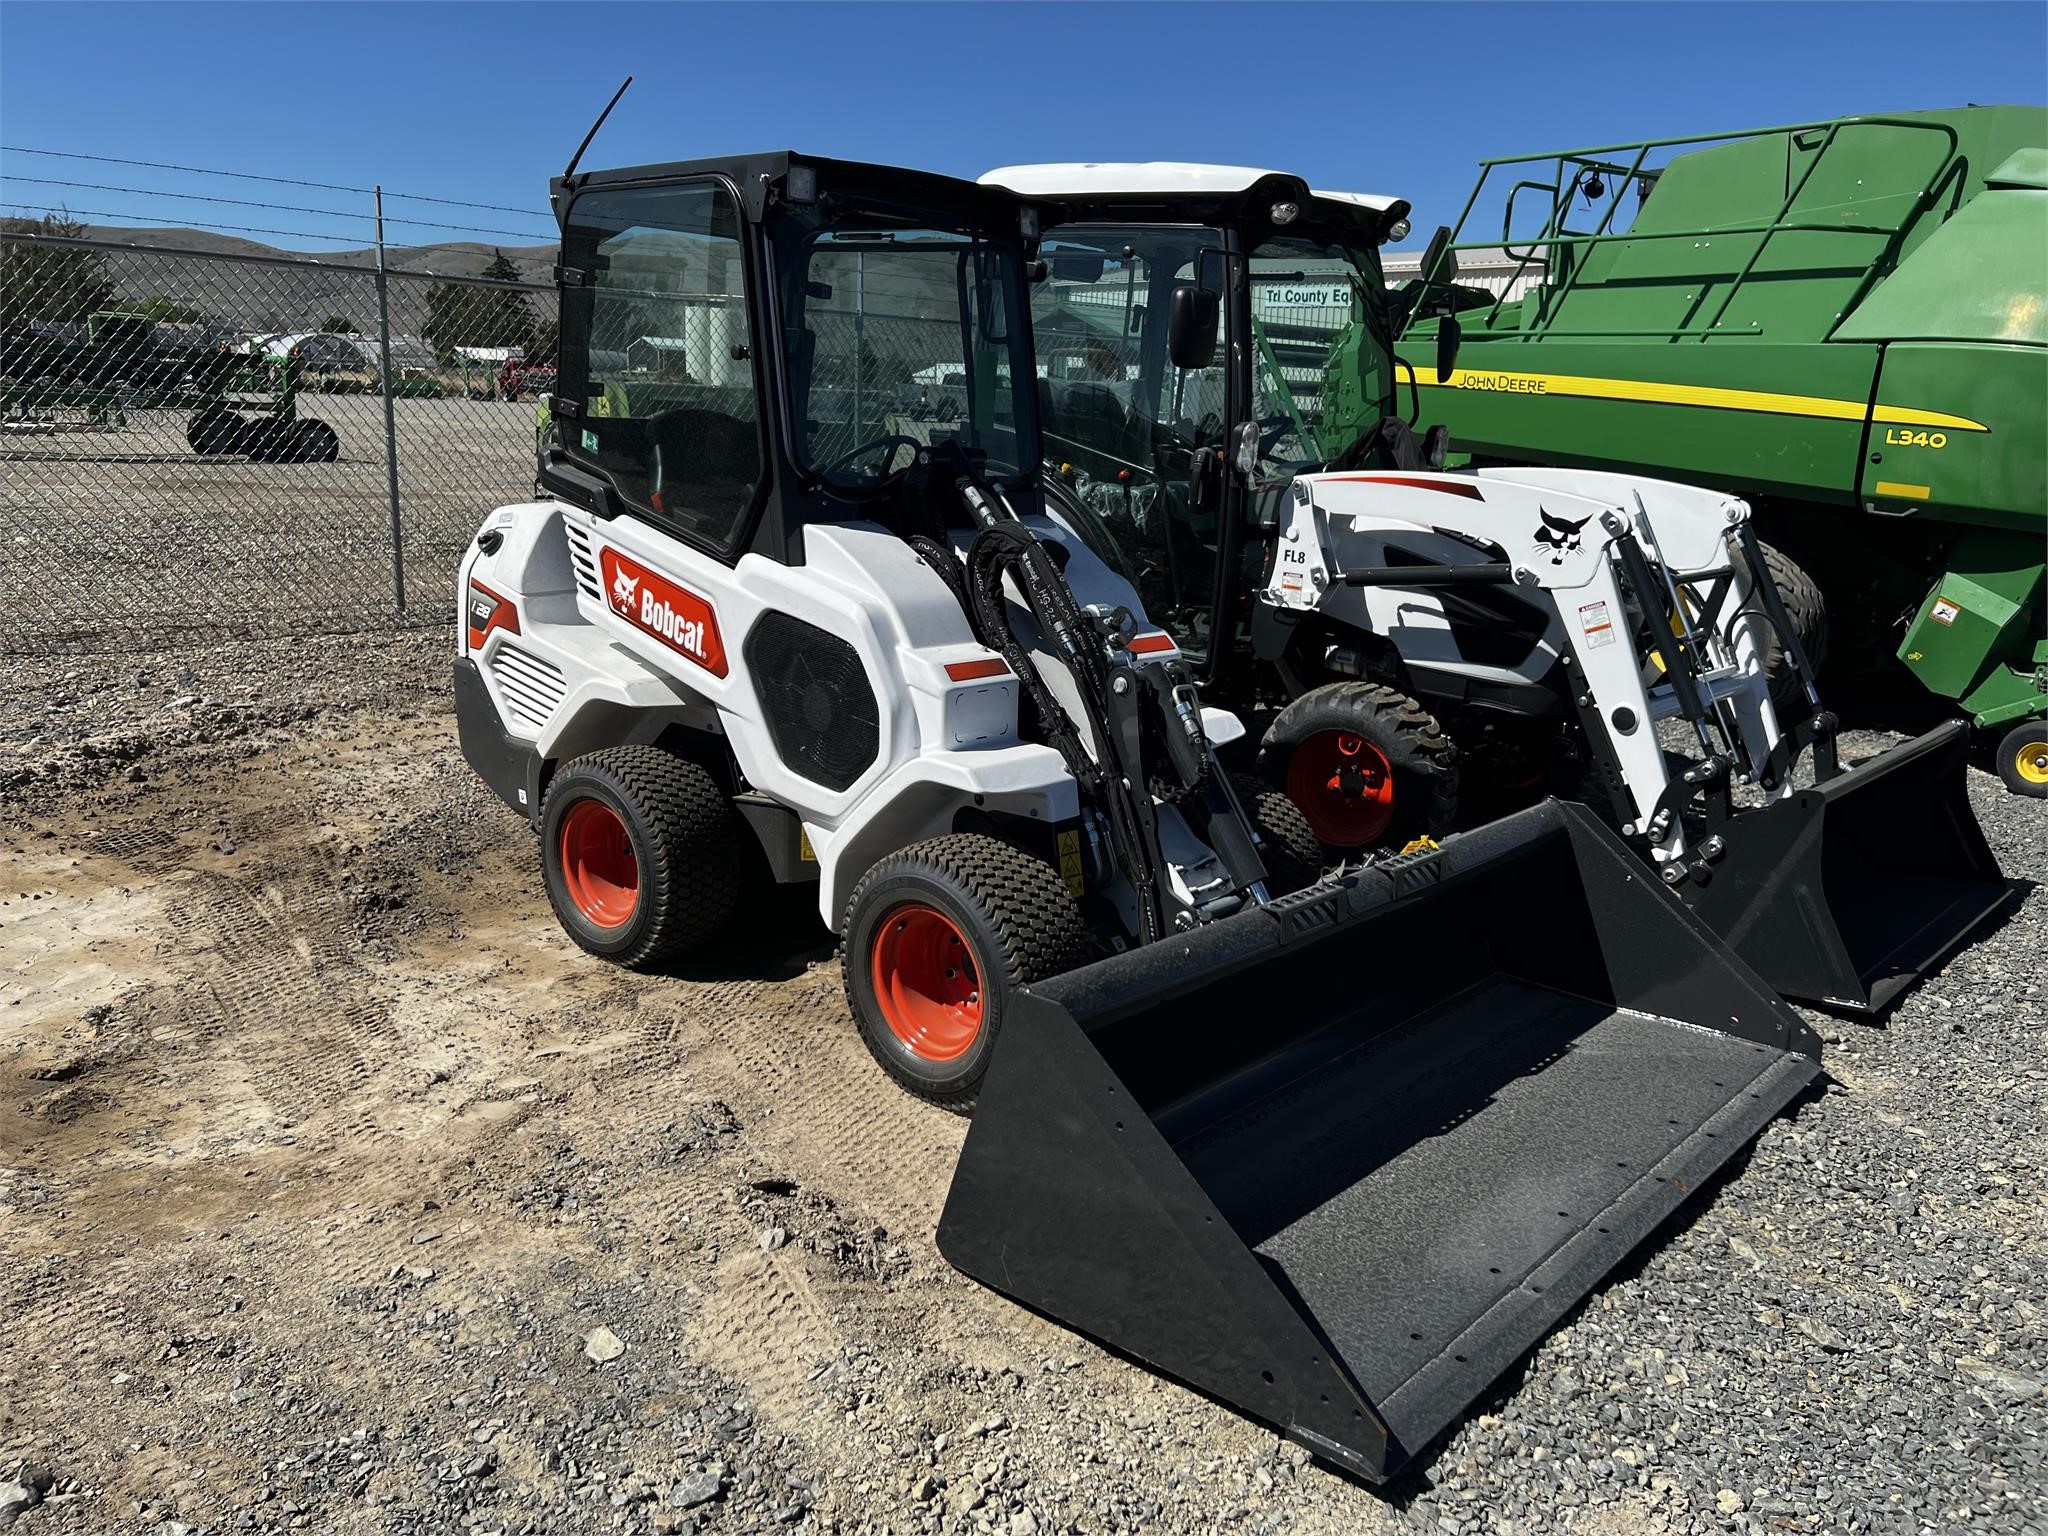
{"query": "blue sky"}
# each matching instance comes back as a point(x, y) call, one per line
point(484, 101)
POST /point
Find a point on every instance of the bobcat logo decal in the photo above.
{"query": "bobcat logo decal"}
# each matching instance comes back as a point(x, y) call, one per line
point(680, 619)
point(1559, 536)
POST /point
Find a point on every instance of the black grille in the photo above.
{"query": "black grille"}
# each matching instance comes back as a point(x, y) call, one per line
point(820, 707)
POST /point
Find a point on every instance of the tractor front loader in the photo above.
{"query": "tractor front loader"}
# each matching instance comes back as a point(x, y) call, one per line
point(1446, 645)
point(752, 621)
point(1840, 321)
point(1839, 885)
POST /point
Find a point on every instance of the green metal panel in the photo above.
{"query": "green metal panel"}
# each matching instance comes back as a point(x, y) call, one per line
point(1998, 476)
point(1850, 314)
point(1723, 416)
point(2009, 693)
point(2022, 168)
point(1981, 624)
point(1982, 276)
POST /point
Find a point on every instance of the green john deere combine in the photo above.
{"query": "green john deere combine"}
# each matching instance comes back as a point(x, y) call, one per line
point(1845, 322)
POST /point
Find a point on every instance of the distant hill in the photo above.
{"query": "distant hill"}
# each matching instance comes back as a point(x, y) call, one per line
point(193, 267)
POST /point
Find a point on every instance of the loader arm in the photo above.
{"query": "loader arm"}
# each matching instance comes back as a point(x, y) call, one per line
point(1657, 603)
point(1577, 548)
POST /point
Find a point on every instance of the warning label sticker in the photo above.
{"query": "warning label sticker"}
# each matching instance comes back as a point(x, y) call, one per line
point(1598, 627)
point(1069, 845)
point(1944, 611)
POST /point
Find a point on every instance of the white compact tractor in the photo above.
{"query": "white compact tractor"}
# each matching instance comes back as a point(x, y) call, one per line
point(781, 605)
point(1451, 643)
point(756, 615)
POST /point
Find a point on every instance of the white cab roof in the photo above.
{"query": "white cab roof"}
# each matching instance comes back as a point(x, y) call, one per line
point(1141, 178)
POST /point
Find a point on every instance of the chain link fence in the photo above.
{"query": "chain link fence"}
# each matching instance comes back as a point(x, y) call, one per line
point(204, 443)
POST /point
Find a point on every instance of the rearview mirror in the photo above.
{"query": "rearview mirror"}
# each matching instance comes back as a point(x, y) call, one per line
point(1439, 253)
point(1448, 334)
point(1191, 327)
point(1077, 266)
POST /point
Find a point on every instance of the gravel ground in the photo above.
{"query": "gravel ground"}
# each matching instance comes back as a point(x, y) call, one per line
point(338, 1192)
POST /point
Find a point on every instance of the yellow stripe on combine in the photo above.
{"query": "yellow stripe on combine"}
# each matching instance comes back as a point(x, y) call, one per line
point(1649, 392)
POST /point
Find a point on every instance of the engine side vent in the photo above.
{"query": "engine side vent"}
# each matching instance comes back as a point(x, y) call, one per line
point(816, 696)
point(583, 559)
point(530, 685)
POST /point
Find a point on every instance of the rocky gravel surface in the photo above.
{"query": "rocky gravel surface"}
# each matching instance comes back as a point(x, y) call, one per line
point(338, 1193)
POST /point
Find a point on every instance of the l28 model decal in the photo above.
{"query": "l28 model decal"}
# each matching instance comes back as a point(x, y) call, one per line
point(679, 618)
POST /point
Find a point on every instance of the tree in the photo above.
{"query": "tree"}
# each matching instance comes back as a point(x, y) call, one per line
point(515, 313)
point(547, 338)
point(338, 325)
point(479, 314)
point(49, 282)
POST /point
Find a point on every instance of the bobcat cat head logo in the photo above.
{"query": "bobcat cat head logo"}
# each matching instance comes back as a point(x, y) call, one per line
point(1559, 536)
point(623, 589)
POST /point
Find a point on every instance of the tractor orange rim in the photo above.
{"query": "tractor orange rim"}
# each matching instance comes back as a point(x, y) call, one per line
point(1344, 785)
point(598, 867)
point(926, 982)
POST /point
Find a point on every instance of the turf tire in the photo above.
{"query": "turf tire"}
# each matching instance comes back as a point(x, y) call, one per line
point(1288, 847)
point(686, 848)
point(1018, 918)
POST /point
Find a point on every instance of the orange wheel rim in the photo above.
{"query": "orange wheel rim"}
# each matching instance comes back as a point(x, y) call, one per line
point(598, 867)
point(926, 982)
point(1344, 786)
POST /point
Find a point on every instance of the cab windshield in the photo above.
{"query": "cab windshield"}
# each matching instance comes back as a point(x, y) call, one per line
point(1124, 426)
point(898, 338)
point(1321, 349)
point(1124, 429)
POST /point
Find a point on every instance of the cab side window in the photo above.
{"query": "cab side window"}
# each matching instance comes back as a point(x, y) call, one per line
point(656, 351)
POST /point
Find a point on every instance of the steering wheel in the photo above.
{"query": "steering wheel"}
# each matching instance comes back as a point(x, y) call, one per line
point(891, 441)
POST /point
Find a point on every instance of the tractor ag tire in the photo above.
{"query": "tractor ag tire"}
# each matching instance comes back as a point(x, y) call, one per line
point(215, 430)
point(640, 852)
point(313, 442)
point(1291, 852)
point(937, 939)
point(1367, 765)
point(1808, 611)
point(2022, 759)
point(268, 440)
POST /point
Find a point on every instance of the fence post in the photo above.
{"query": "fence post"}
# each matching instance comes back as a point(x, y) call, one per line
point(390, 415)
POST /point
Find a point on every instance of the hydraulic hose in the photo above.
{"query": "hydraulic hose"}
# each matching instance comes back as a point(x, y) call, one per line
point(1004, 548)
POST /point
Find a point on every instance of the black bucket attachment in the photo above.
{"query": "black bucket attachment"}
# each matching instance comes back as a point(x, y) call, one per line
point(1340, 1161)
point(1846, 894)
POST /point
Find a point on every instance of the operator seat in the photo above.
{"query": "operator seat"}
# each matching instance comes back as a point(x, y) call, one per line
point(704, 461)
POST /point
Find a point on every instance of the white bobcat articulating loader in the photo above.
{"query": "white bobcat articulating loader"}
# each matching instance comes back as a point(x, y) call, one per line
point(773, 607)
point(1444, 638)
